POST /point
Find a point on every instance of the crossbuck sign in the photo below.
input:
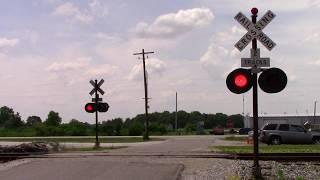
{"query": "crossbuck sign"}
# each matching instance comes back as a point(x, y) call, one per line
point(255, 31)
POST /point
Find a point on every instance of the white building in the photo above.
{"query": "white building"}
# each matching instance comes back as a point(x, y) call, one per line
point(284, 118)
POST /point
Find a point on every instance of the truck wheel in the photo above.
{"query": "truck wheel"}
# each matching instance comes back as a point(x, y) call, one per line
point(275, 140)
point(316, 140)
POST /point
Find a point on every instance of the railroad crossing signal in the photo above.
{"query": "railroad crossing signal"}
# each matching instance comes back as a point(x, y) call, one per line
point(96, 107)
point(255, 31)
point(96, 87)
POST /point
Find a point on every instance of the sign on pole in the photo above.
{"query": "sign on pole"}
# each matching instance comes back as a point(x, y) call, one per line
point(255, 60)
point(96, 87)
point(255, 31)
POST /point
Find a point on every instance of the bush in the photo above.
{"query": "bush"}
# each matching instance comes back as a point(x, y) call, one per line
point(136, 129)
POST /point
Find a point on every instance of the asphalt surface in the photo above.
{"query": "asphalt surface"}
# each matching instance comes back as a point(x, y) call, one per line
point(115, 168)
point(92, 168)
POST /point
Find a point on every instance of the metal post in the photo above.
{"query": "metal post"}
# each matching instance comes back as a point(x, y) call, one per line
point(97, 143)
point(256, 168)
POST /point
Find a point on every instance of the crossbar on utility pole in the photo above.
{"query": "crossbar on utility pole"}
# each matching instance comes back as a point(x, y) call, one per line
point(146, 135)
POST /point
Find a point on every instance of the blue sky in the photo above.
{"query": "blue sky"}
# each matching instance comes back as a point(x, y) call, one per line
point(51, 49)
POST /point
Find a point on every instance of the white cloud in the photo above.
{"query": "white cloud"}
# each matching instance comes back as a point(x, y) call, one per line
point(69, 66)
point(153, 66)
point(5, 42)
point(175, 24)
point(71, 11)
point(98, 8)
point(214, 55)
point(104, 69)
point(107, 37)
point(313, 37)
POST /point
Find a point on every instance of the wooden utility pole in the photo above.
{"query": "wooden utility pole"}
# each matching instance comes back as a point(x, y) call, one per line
point(176, 118)
point(146, 134)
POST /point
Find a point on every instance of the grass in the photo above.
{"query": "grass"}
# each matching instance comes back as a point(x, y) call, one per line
point(91, 149)
point(79, 139)
point(235, 138)
point(268, 149)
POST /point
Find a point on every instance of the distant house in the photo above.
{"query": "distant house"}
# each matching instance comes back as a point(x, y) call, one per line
point(283, 118)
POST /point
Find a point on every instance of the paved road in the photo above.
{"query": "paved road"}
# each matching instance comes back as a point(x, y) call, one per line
point(92, 168)
point(122, 168)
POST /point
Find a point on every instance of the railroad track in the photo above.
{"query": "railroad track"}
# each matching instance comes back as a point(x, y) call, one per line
point(248, 156)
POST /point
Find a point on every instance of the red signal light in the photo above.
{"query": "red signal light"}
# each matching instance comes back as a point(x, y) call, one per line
point(90, 107)
point(241, 80)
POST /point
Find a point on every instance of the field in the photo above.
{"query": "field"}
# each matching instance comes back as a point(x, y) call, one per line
point(75, 139)
point(268, 149)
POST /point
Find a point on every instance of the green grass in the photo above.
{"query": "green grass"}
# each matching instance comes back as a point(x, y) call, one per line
point(235, 138)
point(268, 149)
point(79, 139)
point(89, 149)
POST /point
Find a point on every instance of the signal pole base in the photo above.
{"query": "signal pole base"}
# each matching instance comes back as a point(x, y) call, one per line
point(96, 145)
point(256, 172)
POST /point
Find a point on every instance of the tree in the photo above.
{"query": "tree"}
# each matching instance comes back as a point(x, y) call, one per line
point(33, 120)
point(6, 114)
point(53, 119)
point(8, 119)
point(136, 129)
point(237, 120)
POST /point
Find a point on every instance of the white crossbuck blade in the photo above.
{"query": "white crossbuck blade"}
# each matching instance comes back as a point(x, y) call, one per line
point(96, 87)
point(255, 31)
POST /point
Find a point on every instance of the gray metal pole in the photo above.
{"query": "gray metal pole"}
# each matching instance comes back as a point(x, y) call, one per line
point(97, 143)
point(256, 166)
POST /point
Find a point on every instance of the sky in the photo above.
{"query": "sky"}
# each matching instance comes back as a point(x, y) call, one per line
point(51, 49)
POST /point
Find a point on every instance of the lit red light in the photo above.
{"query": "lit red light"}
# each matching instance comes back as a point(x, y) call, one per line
point(89, 108)
point(241, 80)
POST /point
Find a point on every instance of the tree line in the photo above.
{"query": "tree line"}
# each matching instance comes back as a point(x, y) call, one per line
point(11, 124)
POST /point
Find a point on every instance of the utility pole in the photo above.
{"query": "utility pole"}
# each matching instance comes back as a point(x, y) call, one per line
point(176, 124)
point(314, 112)
point(146, 134)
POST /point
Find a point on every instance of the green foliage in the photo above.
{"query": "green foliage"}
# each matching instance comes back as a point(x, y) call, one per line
point(53, 119)
point(160, 123)
point(237, 120)
point(136, 129)
point(190, 127)
point(9, 119)
point(280, 175)
point(269, 149)
point(33, 121)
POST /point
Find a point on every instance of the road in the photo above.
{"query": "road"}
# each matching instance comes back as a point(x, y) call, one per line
point(85, 166)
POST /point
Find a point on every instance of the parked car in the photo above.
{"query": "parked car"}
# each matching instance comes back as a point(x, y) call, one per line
point(218, 130)
point(244, 131)
point(287, 134)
